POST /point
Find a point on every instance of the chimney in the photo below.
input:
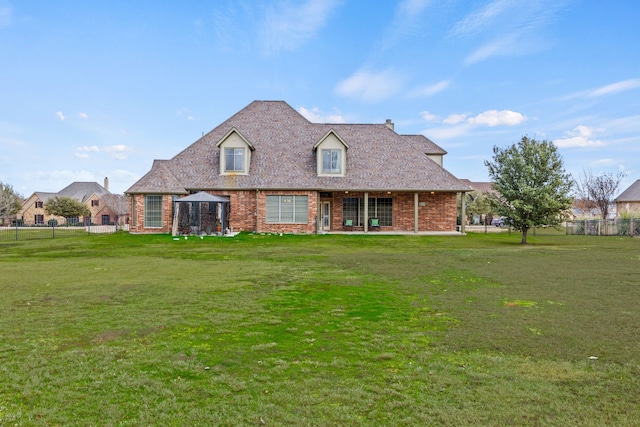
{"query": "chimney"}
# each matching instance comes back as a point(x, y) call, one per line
point(390, 124)
point(106, 183)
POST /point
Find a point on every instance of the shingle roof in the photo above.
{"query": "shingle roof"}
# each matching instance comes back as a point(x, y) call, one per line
point(82, 191)
point(377, 157)
point(480, 187)
point(631, 194)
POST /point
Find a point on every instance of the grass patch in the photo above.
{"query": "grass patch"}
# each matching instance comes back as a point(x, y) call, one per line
point(320, 330)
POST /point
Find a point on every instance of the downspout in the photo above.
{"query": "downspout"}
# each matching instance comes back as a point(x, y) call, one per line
point(415, 212)
point(366, 212)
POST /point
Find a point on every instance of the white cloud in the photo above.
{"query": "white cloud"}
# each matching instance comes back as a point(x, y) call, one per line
point(371, 86)
point(291, 25)
point(478, 21)
point(493, 118)
point(581, 136)
point(615, 88)
point(60, 116)
point(83, 115)
point(428, 117)
point(118, 152)
point(454, 119)
point(426, 91)
point(316, 116)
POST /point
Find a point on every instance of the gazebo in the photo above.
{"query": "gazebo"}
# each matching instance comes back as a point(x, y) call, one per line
point(200, 213)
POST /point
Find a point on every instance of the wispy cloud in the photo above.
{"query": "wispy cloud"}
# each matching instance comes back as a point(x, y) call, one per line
point(428, 117)
point(613, 88)
point(83, 115)
point(118, 152)
point(430, 90)
point(314, 115)
point(507, 27)
point(581, 136)
point(287, 26)
point(371, 86)
point(60, 116)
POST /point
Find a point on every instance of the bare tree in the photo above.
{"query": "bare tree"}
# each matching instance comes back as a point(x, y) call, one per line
point(599, 190)
point(118, 204)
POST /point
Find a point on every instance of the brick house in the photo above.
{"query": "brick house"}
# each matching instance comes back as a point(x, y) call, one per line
point(88, 193)
point(282, 173)
point(628, 202)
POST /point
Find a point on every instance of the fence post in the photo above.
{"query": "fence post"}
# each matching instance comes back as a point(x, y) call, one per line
point(16, 229)
point(53, 230)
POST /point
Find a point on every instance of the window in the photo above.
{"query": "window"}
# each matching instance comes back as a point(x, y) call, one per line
point(287, 209)
point(381, 208)
point(331, 162)
point(105, 219)
point(95, 203)
point(39, 204)
point(39, 219)
point(153, 211)
point(234, 160)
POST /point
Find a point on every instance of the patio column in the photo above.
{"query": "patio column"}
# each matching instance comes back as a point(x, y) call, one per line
point(366, 212)
point(463, 213)
point(416, 212)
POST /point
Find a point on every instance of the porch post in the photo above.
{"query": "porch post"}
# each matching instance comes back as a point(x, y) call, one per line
point(366, 212)
point(415, 212)
point(463, 213)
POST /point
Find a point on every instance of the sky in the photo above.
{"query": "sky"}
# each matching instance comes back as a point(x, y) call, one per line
point(100, 89)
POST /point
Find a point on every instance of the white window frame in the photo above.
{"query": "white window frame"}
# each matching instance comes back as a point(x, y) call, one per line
point(333, 161)
point(237, 152)
point(287, 209)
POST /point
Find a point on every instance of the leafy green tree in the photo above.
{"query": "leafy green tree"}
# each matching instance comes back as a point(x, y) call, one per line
point(10, 201)
point(66, 207)
point(532, 185)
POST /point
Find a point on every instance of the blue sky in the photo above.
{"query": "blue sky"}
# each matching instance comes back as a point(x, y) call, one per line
point(95, 89)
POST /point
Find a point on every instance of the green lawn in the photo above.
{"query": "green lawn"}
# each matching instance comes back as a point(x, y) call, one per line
point(120, 330)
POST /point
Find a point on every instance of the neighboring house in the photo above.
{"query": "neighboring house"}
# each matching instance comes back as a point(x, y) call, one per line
point(274, 171)
point(89, 193)
point(628, 202)
point(480, 187)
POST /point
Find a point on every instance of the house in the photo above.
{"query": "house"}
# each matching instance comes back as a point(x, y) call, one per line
point(278, 172)
point(88, 193)
point(628, 202)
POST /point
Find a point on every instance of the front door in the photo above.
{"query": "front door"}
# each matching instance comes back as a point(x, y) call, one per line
point(325, 216)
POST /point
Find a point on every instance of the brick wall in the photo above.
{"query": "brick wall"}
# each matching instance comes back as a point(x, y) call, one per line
point(247, 212)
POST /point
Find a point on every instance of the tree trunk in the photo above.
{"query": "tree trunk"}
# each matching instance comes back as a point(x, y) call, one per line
point(524, 236)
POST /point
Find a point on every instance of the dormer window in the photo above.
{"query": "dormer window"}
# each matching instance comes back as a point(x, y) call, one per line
point(235, 153)
point(331, 155)
point(331, 161)
point(234, 160)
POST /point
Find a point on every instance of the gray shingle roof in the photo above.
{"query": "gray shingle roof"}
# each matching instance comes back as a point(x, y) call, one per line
point(82, 191)
point(377, 157)
point(631, 194)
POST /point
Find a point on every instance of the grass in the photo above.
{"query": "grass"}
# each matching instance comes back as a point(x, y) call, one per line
point(120, 330)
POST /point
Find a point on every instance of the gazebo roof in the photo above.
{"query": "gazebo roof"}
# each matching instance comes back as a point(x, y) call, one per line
point(203, 197)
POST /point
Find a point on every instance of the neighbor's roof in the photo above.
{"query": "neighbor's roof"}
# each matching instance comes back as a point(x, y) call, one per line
point(480, 187)
point(82, 191)
point(631, 194)
point(378, 159)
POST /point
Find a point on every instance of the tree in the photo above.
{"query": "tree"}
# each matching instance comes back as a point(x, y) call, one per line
point(476, 204)
point(532, 185)
point(66, 207)
point(10, 201)
point(599, 191)
point(118, 204)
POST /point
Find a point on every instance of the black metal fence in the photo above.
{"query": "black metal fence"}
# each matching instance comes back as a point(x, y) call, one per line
point(52, 229)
